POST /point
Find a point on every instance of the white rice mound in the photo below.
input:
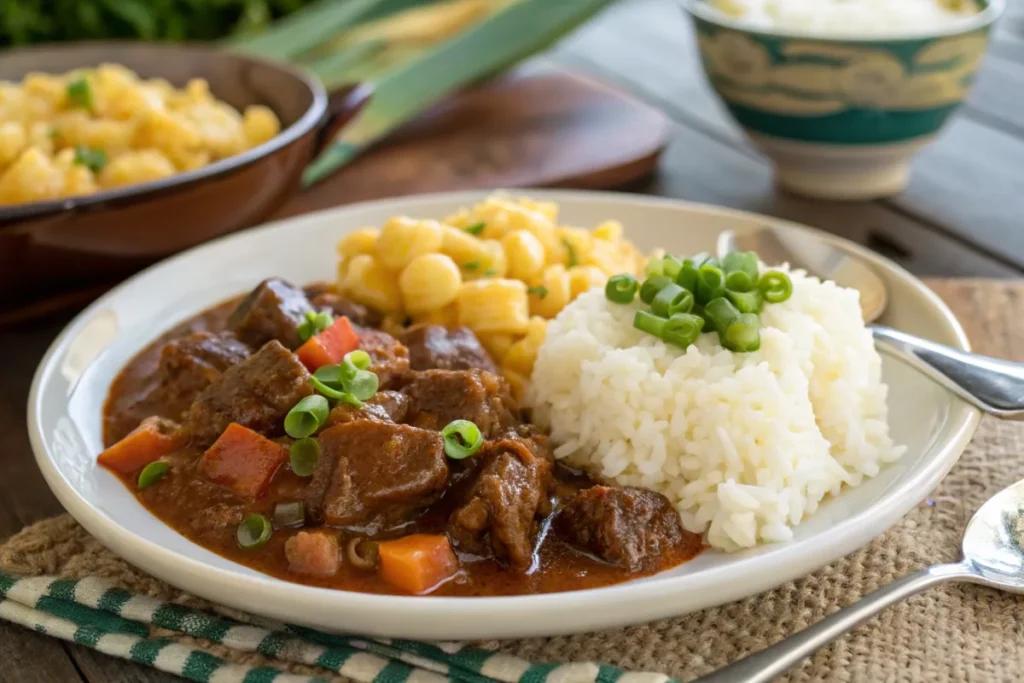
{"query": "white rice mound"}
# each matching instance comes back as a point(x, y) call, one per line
point(744, 444)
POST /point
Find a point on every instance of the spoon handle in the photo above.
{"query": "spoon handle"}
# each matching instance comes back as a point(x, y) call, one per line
point(764, 666)
point(995, 386)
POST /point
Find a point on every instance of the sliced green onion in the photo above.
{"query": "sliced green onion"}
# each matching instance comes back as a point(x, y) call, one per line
point(363, 385)
point(654, 267)
point(359, 359)
point(720, 313)
point(306, 417)
point(688, 276)
point(741, 262)
point(621, 288)
point(476, 228)
point(253, 532)
point(462, 439)
point(152, 473)
point(289, 515)
point(571, 258)
point(490, 272)
point(711, 283)
point(670, 266)
point(335, 394)
point(315, 323)
point(649, 323)
point(671, 299)
point(304, 455)
point(92, 159)
point(540, 291)
point(742, 334)
point(775, 285)
point(471, 265)
point(79, 93)
point(336, 376)
point(746, 302)
point(652, 286)
point(682, 329)
point(738, 281)
point(698, 311)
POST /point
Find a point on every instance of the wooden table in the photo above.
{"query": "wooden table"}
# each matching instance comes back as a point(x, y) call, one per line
point(963, 215)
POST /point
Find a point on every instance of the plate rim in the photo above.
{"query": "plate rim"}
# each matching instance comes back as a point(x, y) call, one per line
point(440, 617)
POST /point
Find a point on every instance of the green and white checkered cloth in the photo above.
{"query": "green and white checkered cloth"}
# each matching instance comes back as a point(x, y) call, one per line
point(96, 614)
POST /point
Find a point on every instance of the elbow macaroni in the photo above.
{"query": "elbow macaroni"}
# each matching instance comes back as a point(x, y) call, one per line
point(146, 129)
point(503, 268)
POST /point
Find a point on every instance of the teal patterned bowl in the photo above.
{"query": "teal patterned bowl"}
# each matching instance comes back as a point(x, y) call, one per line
point(840, 117)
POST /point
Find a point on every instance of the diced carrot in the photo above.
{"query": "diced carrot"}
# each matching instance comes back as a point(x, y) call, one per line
point(242, 460)
point(417, 563)
point(154, 438)
point(330, 346)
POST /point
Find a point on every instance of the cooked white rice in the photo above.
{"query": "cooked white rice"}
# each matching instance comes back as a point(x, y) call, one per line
point(744, 444)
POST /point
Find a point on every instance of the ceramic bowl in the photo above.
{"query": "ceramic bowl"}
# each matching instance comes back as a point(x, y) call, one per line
point(840, 117)
point(66, 402)
point(51, 247)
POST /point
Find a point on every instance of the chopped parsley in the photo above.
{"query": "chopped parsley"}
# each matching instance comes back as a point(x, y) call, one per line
point(539, 290)
point(572, 260)
point(490, 272)
point(476, 228)
point(79, 93)
point(471, 265)
point(92, 159)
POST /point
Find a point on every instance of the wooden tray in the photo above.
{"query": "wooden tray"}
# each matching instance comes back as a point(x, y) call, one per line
point(535, 128)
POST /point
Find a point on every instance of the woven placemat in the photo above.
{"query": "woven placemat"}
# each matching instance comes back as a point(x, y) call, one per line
point(951, 633)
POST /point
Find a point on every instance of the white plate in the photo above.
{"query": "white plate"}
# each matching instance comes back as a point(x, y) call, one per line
point(69, 388)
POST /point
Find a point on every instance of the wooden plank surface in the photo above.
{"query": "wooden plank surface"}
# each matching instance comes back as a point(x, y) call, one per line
point(961, 216)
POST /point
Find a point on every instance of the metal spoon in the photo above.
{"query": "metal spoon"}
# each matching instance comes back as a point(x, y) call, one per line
point(992, 385)
point(992, 556)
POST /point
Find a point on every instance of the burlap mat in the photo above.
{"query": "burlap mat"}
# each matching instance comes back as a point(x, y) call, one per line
point(951, 633)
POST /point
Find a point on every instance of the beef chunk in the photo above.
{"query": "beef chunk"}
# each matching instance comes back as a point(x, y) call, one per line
point(340, 306)
point(390, 359)
point(500, 513)
point(633, 528)
point(385, 406)
point(437, 347)
point(191, 363)
point(256, 393)
point(313, 553)
point(438, 397)
point(271, 311)
point(371, 470)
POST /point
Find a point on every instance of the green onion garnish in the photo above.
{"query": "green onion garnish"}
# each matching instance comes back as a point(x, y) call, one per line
point(363, 385)
point(289, 515)
point(490, 272)
point(92, 159)
point(682, 329)
point(742, 334)
point(462, 439)
point(649, 323)
point(654, 268)
point(315, 323)
point(571, 259)
point(306, 417)
point(476, 228)
point(471, 265)
point(687, 277)
point(738, 281)
point(652, 286)
point(670, 300)
point(253, 532)
point(304, 455)
point(670, 266)
point(775, 285)
point(720, 312)
point(152, 473)
point(334, 394)
point(79, 93)
point(621, 288)
point(741, 262)
point(359, 359)
point(710, 282)
point(540, 291)
point(745, 302)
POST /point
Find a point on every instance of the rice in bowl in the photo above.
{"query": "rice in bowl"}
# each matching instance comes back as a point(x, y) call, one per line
point(744, 444)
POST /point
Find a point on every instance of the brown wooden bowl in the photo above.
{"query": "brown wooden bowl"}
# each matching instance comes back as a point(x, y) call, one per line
point(51, 249)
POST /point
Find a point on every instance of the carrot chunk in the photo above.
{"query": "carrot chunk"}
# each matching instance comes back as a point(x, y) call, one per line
point(417, 563)
point(242, 460)
point(154, 438)
point(330, 346)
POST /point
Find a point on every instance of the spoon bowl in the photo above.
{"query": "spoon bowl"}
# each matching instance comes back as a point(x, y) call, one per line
point(994, 540)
